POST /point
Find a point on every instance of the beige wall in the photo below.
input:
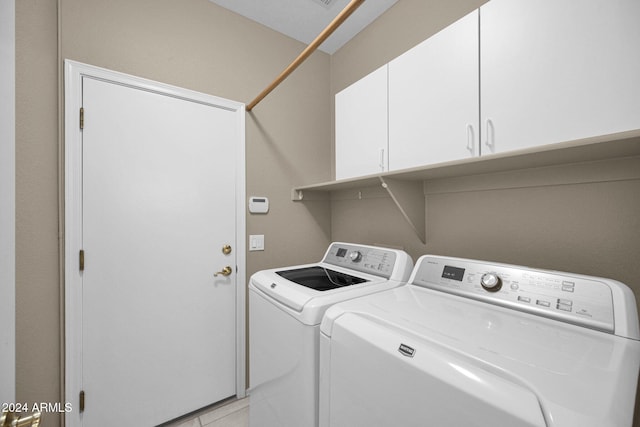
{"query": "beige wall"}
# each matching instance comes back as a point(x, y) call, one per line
point(193, 44)
point(37, 285)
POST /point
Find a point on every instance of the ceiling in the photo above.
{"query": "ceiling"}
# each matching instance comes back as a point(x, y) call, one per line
point(304, 20)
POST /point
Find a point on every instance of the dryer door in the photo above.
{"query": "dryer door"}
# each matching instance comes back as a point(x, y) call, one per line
point(379, 375)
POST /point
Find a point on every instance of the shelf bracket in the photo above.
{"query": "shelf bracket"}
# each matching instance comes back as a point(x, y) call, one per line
point(410, 199)
point(298, 195)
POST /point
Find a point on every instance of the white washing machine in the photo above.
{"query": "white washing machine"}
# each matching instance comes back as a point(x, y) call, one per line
point(471, 343)
point(286, 306)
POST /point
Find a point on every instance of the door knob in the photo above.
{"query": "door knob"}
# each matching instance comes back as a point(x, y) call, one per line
point(225, 271)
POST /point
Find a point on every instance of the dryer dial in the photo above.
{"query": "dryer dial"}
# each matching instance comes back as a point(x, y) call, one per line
point(355, 256)
point(491, 282)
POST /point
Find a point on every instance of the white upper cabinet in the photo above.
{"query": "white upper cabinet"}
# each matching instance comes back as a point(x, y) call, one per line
point(434, 99)
point(361, 127)
point(514, 74)
point(558, 70)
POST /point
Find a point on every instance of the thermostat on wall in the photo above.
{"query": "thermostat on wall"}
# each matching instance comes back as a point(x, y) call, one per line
point(258, 204)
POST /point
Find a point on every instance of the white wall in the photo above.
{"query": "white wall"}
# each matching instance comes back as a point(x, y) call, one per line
point(7, 200)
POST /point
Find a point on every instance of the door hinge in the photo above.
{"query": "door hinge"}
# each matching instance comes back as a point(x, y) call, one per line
point(81, 400)
point(81, 259)
point(81, 118)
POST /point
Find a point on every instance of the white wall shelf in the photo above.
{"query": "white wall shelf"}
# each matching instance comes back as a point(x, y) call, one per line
point(405, 186)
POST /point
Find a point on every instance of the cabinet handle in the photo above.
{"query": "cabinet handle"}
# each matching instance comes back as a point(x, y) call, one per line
point(470, 139)
point(490, 142)
point(491, 135)
point(381, 164)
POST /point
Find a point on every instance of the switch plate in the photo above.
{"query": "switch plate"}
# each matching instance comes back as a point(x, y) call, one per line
point(256, 242)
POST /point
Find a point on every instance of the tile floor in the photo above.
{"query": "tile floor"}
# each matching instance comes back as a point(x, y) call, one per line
point(231, 413)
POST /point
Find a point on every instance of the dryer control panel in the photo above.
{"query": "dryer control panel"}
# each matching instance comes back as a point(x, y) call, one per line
point(581, 300)
point(367, 259)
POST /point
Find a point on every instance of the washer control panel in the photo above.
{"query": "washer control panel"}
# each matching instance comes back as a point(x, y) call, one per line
point(576, 299)
point(367, 259)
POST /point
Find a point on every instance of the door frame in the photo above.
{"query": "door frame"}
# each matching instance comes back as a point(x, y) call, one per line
point(7, 202)
point(74, 72)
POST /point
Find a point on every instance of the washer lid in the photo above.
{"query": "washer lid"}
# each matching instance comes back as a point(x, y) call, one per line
point(580, 376)
point(381, 375)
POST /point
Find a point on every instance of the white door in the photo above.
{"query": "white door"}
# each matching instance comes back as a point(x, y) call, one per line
point(158, 326)
point(558, 70)
point(361, 127)
point(7, 204)
point(434, 98)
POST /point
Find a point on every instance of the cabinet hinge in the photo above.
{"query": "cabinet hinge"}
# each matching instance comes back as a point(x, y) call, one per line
point(81, 259)
point(81, 400)
point(81, 118)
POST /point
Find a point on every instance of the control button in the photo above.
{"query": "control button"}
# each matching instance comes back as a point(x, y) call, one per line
point(355, 256)
point(565, 302)
point(563, 307)
point(524, 299)
point(567, 288)
point(515, 286)
point(491, 282)
point(543, 303)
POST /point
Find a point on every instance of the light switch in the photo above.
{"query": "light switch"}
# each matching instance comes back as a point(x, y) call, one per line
point(256, 242)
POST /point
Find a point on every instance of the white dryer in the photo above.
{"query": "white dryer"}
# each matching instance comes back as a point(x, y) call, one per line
point(286, 306)
point(472, 343)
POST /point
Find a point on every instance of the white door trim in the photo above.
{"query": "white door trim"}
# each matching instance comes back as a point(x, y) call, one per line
point(7, 201)
point(74, 72)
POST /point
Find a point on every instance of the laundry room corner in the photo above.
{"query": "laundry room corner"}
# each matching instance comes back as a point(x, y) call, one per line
point(578, 216)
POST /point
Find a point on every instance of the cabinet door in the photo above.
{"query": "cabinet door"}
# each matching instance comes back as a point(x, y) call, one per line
point(361, 126)
point(433, 98)
point(558, 70)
